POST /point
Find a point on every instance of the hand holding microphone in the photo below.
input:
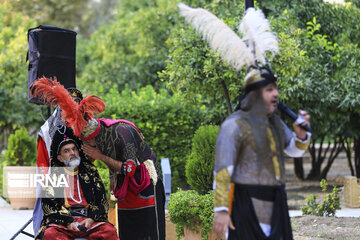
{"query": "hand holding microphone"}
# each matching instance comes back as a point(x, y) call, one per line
point(299, 120)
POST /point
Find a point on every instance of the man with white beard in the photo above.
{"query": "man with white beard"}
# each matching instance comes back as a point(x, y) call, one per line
point(80, 209)
point(72, 152)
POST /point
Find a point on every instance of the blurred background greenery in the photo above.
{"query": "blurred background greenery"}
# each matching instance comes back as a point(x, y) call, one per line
point(151, 68)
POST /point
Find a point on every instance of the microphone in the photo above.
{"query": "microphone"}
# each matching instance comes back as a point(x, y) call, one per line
point(82, 228)
point(285, 109)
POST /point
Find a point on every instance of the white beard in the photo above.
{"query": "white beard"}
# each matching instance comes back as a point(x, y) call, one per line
point(73, 163)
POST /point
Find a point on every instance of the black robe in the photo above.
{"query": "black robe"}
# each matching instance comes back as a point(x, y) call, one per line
point(244, 217)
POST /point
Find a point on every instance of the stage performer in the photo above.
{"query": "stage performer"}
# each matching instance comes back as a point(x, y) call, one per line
point(80, 210)
point(135, 177)
point(249, 176)
point(44, 139)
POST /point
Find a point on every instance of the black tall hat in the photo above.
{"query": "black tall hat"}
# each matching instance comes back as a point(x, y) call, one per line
point(62, 137)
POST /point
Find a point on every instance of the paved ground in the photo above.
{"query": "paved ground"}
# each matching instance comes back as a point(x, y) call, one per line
point(12, 220)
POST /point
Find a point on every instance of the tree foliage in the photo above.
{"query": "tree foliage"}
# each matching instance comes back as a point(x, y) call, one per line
point(326, 87)
point(195, 70)
point(316, 67)
point(337, 21)
point(15, 109)
point(192, 67)
point(131, 50)
point(83, 16)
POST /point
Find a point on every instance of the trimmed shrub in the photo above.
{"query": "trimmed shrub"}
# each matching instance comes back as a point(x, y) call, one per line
point(21, 149)
point(191, 210)
point(200, 163)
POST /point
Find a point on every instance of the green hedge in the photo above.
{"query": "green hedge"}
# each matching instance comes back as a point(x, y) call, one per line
point(200, 163)
point(166, 122)
point(21, 149)
point(186, 208)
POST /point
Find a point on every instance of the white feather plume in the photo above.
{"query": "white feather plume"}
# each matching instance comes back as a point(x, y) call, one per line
point(220, 37)
point(257, 33)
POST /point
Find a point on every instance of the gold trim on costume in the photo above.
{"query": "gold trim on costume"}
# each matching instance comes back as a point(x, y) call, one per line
point(301, 145)
point(221, 196)
point(71, 173)
point(66, 203)
point(273, 153)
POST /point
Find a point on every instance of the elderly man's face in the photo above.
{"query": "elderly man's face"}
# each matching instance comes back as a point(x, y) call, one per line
point(270, 95)
point(69, 155)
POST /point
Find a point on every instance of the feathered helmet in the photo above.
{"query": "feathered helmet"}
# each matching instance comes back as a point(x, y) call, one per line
point(79, 116)
point(250, 50)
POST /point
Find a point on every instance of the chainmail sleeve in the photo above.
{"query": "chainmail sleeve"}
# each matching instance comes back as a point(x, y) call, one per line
point(228, 145)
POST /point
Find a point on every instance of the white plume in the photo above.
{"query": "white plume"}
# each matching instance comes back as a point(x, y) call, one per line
point(257, 33)
point(220, 37)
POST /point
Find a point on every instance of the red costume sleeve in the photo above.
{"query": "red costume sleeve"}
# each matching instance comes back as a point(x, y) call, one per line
point(42, 154)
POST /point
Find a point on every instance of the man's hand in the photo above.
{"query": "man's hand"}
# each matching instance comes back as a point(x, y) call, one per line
point(87, 222)
point(300, 132)
point(92, 152)
point(222, 222)
point(72, 227)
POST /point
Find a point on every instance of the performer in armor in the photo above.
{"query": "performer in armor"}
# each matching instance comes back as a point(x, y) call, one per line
point(135, 177)
point(249, 176)
point(249, 160)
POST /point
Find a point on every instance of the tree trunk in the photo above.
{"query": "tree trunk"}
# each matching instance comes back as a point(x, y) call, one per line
point(349, 150)
point(337, 148)
point(314, 172)
point(299, 168)
point(357, 156)
point(316, 160)
point(227, 97)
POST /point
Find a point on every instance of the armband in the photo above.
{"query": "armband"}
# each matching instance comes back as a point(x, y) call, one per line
point(128, 168)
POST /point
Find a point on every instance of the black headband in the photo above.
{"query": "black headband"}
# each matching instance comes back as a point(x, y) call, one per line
point(64, 142)
point(268, 78)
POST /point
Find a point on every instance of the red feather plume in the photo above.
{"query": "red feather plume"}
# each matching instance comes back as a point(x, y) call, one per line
point(43, 88)
point(88, 107)
point(53, 93)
